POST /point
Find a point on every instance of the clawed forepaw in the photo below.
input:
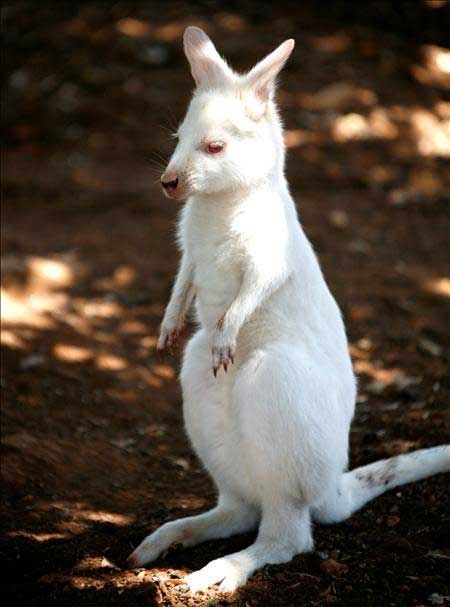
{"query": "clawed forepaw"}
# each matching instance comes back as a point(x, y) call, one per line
point(170, 338)
point(222, 357)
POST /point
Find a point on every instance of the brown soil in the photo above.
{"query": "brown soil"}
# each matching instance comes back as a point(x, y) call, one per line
point(94, 454)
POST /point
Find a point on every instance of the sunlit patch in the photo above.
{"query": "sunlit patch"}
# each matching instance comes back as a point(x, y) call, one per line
point(94, 562)
point(149, 341)
point(337, 97)
point(38, 537)
point(435, 68)
point(124, 275)
point(435, 3)
point(191, 503)
point(439, 286)
point(135, 28)
point(27, 311)
point(232, 22)
point(50, 271)
point(101, 516)
point(377, 125)
point(12, 340)
point(99, 308)
point(432, 135)
point(294, 138)
point(438, 58)
point(332, 43)
point(442, 109)
point(382, 378)
point(84, 512)
point(71, 354)
point(109, 362)
point(133, 327)
point(164, 371)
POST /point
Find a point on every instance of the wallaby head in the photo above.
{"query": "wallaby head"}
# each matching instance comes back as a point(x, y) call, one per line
point(231, 136)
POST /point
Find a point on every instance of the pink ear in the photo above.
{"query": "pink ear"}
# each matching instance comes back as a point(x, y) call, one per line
point(262, 77)
point(207, 66)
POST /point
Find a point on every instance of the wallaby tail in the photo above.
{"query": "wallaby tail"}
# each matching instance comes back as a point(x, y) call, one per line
point(361, 485)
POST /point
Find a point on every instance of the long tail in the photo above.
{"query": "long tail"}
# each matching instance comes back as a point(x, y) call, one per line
point(363, 484)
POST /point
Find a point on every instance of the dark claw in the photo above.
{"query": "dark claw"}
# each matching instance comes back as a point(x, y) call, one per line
point(215, 371)
point(225, 366)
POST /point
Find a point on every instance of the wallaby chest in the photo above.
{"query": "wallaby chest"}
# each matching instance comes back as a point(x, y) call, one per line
point(216, 252)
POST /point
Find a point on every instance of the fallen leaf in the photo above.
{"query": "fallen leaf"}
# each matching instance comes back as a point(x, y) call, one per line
point(333, 568)
point(392, 520)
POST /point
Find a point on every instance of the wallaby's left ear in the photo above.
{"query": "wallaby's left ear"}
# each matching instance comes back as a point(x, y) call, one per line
point(262, 77)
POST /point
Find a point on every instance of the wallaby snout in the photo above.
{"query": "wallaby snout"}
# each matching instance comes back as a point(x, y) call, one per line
point(172, 184)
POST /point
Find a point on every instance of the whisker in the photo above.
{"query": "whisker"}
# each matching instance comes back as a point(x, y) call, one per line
point(156, 163)
point(172, 119)
point(160, 156)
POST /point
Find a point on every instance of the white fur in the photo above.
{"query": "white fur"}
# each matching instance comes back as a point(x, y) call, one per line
point(272, 431)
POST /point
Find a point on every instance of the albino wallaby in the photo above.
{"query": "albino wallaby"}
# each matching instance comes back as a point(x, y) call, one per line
point(272, 426)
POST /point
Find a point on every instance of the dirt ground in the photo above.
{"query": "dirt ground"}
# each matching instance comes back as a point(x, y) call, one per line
point(94, 453)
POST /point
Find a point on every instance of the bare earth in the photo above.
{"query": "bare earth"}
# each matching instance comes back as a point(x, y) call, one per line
point(94, 454)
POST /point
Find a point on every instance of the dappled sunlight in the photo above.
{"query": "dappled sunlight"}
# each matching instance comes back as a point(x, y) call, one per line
point(438, 286)
point(94, 452)
point(81, 511)
point(376, 375)
point(135, 28)
point(11, 340)
point(33, 290)
point(432, 134)
point(43, 294)
point(50, 272)
point(30, 311)
point(189, 503)
point(135, 327)
point(435, 68)
point(109, 362)
point(72, 354)
point(337, 42)
point(38, 537)
point(97, 573)
point(335, 97)
point(356, 127)
point(294, 138)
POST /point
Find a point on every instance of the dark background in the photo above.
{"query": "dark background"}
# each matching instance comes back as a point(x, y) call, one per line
point(94, 455)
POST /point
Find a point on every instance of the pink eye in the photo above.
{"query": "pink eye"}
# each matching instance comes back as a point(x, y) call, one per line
point(215, 147)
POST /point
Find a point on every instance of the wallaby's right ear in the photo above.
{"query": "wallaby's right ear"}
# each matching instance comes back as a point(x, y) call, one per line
point(207, 66)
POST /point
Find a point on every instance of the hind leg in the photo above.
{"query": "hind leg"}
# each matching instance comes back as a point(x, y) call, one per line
point(283, 533)
point(230, 516)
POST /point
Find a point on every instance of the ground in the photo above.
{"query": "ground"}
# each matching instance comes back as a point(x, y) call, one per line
point(94, 453)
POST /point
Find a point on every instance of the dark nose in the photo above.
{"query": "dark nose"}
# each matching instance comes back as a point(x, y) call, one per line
point(170, 185)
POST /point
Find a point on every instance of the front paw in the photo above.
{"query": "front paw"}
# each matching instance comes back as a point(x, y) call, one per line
point(223, 350)
point(169, 336)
